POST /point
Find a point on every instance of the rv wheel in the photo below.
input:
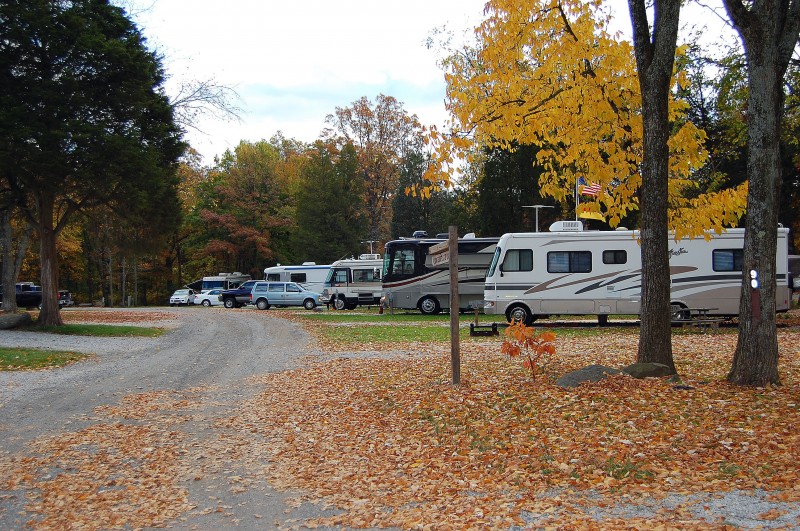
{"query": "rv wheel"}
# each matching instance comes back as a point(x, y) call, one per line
point(429, 306)
point(340, 303)
point(520, 314)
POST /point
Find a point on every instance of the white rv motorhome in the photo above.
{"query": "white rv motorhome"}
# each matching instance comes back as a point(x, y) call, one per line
point(354, 282)
point(309, 274)
point(412, 281)
point(568, 271)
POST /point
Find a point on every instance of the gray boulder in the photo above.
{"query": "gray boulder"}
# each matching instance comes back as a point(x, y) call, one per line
point(14, 320)
point(592, 373)
point(648, 370)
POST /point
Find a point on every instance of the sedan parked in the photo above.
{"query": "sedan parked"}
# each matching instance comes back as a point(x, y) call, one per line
point(209, 297)
point(266, 294)
point(182, 296)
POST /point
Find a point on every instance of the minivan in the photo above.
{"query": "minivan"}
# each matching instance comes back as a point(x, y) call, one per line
point(266, 294)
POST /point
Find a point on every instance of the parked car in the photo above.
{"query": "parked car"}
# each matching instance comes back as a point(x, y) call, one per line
point(209, 297)
point(182, 296)
point(420, 234)
point(64, 298)
point(266, 294)
point(238, 297)
point(29, 295)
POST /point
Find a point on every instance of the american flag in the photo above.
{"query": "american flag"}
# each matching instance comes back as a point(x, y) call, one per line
point(587, 188)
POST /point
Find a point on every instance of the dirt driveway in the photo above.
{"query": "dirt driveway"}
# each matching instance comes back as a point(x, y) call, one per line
point(140, 434)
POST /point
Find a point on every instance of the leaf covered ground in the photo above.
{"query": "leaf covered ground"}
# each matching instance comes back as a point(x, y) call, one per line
point(394, 444)
point(386, 440)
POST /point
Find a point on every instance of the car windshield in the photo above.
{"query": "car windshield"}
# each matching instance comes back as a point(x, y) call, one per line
point(182, 292)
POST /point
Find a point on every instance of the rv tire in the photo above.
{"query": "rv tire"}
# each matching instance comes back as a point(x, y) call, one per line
point(429, 306)
point(520, 313)
point(340, 303)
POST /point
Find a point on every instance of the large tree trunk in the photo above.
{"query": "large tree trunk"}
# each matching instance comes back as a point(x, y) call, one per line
point(50, 313)
point(755, 361)
point(654, 62)
point(13, 255)
point(769, 30)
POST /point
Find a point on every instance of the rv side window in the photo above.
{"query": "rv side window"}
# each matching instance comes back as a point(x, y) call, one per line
point(297, 277)
point(727, 259)
point(615, 257)
point(340, 276)
point(518, 260)
point(274, 277)
point(366, 275)
point(569, 262)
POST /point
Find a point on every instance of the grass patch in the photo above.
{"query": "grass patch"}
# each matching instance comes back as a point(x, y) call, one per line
point(101, 330)
point(391, 334)
point(18, 359)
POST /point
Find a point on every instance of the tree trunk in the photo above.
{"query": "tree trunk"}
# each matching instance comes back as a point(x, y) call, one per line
point(50, 313)
point(12, 259)
point(755, 361)
point(654, 62)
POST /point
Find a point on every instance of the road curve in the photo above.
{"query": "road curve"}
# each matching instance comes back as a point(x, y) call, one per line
point(209, 355)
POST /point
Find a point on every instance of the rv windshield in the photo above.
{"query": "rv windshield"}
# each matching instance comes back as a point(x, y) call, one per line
point(400, 261)
point(493, 265)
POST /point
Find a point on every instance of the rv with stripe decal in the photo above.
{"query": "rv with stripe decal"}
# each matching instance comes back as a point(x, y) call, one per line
point(569, 271)
point(413, 280)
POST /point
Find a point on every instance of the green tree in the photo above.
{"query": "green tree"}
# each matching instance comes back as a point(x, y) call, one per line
point(510, 182)
point(330, 206)
point(769, 30)
point(83, 118)
point(431, 212)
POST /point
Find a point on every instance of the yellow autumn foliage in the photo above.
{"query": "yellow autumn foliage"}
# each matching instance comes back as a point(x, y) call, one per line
point(548, 73)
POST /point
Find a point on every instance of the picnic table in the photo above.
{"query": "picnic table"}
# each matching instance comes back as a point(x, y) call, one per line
point(697, 317)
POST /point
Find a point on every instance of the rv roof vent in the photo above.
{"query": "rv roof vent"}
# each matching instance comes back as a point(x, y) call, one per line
point(369, 257)
point(566, 226)
point(469, 235)
point(309, 263)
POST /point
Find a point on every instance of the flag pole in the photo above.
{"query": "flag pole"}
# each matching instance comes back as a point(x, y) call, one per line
point(577, 198)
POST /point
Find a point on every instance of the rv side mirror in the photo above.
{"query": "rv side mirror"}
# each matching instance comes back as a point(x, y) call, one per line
point(501, 268)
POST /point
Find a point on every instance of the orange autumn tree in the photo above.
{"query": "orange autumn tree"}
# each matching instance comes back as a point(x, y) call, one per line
point(536, 348)
point(549, 73)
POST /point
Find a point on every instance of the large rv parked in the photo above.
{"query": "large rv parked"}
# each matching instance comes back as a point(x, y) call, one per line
point(412, 281)
point(309, 274)
point(354, 282)
point(568, 271)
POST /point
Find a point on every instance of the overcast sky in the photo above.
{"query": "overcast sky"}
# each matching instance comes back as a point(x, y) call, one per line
point(292, 63)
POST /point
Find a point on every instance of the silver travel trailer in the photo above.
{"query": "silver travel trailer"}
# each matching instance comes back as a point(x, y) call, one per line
point(353, 282)
point(411, 279)
point(569, 271)
point(309, 274)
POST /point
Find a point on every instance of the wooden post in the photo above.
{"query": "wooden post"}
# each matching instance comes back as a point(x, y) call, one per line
point(455, 344)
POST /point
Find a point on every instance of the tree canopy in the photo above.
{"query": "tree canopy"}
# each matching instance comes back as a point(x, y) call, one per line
point(83, 118)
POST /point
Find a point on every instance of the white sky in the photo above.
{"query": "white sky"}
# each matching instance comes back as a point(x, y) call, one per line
point(292, 63)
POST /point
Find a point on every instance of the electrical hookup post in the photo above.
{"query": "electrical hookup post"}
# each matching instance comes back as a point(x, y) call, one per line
point(447, 252)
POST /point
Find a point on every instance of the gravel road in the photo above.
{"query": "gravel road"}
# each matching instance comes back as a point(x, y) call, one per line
point(213, 350)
